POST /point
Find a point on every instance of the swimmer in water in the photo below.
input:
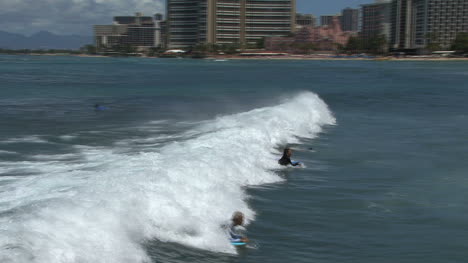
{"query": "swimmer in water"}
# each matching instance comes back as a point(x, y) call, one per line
point(286, 159)
point(98, 107)
point(236, 228)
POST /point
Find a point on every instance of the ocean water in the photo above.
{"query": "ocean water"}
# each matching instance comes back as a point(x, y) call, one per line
point(185, 143)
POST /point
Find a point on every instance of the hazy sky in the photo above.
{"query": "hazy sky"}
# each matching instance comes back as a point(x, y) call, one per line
point(327, 7)
point(77, 16)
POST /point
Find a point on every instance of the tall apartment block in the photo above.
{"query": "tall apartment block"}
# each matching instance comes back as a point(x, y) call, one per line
point(159, 32)
point(192, 22)
point(402, 24)
point(350, 19)
point(376, 19)
point(139, 31)
point(108, 36)
point(416, 23)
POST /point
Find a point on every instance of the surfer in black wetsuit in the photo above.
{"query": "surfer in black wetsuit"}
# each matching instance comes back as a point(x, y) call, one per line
point(286, 159)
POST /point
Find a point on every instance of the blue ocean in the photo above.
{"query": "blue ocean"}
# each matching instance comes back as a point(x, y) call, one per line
point(178, 145)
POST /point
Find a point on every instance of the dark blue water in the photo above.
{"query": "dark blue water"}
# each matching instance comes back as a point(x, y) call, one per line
point(182, 146)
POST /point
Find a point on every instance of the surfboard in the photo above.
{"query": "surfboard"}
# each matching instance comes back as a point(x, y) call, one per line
point(250, 245)
point(238, 243)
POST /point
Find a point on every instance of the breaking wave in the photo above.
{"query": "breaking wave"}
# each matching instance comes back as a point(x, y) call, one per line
point(107, 205)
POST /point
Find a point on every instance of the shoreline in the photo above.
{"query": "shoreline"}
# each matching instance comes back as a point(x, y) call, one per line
point(324, 58)
point(284, 57)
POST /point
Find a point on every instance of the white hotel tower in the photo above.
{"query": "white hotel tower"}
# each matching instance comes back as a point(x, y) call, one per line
point(192, 22)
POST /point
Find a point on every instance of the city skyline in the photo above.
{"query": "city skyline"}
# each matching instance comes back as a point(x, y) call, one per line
point(78, 17)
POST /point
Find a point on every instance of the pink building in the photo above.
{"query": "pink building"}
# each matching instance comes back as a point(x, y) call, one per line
point(325, 38)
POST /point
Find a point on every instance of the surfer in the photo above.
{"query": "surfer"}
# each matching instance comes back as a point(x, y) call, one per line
point(236, 228)
point(286, 159)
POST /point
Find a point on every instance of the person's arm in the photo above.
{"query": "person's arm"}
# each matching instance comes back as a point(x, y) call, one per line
point(236, 232)
point(294, 163)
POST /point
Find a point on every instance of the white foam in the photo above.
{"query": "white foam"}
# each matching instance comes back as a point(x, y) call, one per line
point(102, 210)
point(25, 139)
point(56, 157)
point(7, 152)
point(68, 137)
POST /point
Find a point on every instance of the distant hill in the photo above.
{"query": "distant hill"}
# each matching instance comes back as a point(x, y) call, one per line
point(42, 40)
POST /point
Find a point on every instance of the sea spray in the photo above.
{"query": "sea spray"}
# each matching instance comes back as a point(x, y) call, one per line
point(105, 207)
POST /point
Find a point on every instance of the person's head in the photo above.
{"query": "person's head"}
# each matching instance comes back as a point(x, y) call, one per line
point(238, 218)
point(287, 152)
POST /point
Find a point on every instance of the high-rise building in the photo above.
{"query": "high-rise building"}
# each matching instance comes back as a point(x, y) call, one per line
point(182, 23)
point(107, 36)
point(417, 23)
point(163, 25)
point(158, 33)
point(376, 20)
point(327, 20)
point(350, 19)
point(192, 22)
point(402, 29)
point(138, 31)
point(305, 20)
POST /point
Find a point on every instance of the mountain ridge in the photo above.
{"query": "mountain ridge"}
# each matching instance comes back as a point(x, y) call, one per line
point(43, 40)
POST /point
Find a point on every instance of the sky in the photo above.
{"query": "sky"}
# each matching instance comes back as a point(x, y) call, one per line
point(76, 17)
point(327, 7)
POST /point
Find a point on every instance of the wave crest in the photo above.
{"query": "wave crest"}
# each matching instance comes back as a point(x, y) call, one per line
point(180, 193)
